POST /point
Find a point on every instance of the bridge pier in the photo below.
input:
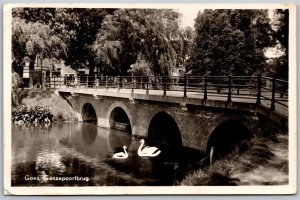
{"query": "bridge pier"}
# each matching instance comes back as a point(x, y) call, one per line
point(103, 122)
point(183, 104)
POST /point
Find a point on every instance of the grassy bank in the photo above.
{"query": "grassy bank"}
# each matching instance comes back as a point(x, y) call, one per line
point(262, 161)
point(44, 97)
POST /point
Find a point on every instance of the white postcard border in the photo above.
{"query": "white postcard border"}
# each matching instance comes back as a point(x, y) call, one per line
point(118, 190)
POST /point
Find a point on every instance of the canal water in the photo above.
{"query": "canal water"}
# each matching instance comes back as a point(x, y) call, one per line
point(80, 154)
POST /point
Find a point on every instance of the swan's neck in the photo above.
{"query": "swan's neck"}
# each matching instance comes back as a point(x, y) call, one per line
point(125, 150)
point(140, 148)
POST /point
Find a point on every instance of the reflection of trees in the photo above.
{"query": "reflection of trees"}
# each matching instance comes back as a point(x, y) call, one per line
point(49, 163)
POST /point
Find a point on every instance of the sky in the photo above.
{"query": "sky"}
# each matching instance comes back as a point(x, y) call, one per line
point(188, 17)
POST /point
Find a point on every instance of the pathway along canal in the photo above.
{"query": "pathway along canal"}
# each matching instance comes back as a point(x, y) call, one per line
point(69, 154)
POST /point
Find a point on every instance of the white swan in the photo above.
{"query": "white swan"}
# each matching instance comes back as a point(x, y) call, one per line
point(121, 155)
point(148, 151)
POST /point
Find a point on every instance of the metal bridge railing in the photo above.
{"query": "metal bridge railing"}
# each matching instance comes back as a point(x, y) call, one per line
point(266, 90)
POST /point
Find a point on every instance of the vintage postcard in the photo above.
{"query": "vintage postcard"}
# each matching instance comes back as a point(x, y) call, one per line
point(115, 99)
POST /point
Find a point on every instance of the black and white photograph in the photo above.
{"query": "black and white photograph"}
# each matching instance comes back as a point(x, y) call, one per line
point(114, 99)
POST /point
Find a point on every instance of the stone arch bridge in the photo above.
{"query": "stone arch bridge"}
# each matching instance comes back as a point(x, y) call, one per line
point(170, 119)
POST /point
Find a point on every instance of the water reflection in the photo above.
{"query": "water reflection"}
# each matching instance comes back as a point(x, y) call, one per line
point(89, 134)
point(117, 139)
point(81, 150)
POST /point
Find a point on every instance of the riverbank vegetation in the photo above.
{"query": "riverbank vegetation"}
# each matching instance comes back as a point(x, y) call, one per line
point(42, 101)
point(35, 114)
point(261, 161)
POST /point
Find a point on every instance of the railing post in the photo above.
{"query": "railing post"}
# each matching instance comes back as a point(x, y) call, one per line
point(185, 83)
point(106, 86)
point(54, 82)
point(141, 83)
point(258, 89)
point(282, 89)
point(205, 87)
point(87, 81)
point(75, 82)
point(229, 89)
point(165, 86)
point(147, 85)
point(118, 83)
point(238, 86)
point(132, 85)
point(42, 76)
point(61, 83)
point(273, 94)
point(97, 83)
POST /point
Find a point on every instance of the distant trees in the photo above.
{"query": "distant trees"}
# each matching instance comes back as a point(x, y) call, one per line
point(150, 41)
point(230, 42)
point(114, 41)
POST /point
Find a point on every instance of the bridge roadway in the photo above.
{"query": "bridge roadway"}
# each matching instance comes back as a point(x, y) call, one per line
point(238, 102)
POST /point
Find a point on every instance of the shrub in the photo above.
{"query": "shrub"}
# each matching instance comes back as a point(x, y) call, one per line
point(35, 114)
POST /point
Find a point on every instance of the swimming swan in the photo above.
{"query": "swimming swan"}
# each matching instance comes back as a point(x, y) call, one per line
point(121, 155)
point(148, 151)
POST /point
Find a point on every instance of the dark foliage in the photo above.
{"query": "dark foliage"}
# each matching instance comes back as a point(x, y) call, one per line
point(230, 42)
point(37, 114)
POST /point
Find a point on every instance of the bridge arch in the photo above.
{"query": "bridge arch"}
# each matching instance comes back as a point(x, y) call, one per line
point(228, 134)
point(89, 113)
point(164, 131)
point(119, 119)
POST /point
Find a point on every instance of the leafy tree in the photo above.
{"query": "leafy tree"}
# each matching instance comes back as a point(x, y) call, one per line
point(78, 28)
point(141, 67)
point(63, 33)
point(31, 39)
point(230, 42)
point(281, 26)
point(162, 40)
point(118, 41)
point(184, 52)
point(132, 36)
point(42, 15)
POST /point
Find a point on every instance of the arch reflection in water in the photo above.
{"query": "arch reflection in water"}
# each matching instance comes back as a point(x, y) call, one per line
point(88, 133)
point(117, 139)
point(97, 142)
point(90, 140)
